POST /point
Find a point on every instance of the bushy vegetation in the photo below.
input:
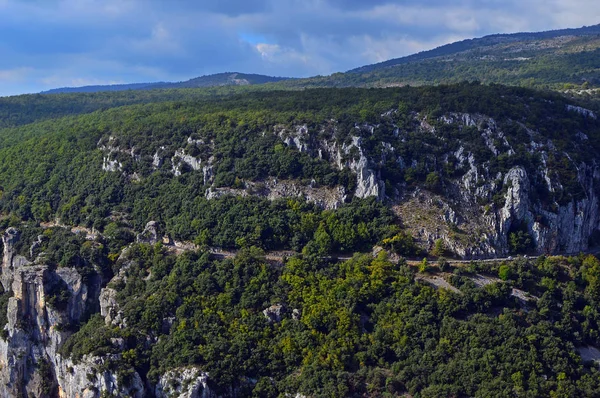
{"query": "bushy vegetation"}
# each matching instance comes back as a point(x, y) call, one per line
point(53, 168)
point(361, 327)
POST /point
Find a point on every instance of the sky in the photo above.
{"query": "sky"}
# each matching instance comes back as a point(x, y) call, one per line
point(46, 44)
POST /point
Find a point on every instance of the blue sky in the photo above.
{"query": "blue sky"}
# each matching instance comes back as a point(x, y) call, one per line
point(55, 43)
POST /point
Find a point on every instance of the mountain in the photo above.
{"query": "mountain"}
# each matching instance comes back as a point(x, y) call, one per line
point(313, 242)
point(561, 59)
point(565, 59)
point(500, 43)
point(216, 80)
point(233, 236)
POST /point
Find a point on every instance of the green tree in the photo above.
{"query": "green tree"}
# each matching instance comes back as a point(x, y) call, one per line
point(439, 248)
point(504, 272)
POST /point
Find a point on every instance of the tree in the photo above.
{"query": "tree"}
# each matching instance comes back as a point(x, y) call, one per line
point(439, 248)
point(504, 272)
point(424, 265)
point(519, 241)
point(591, 274)
point(322, 239)
point(433, 182)
point(402, 243)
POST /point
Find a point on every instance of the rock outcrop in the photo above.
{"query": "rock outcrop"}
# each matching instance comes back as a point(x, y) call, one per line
point(149, 234)
point(274, 313)
point(39, 320)
point(485, 190)
point(184, 383)
point(474, 214)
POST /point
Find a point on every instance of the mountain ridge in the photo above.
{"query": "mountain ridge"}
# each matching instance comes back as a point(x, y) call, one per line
point(487, 40)
point(549, 66)
point(213, 80)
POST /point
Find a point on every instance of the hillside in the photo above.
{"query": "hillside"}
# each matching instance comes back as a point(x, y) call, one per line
point(171, 242)
point(215, 80)
point(503, 42)
point(562, 60)
point(25, 109)
point(466, 147)
point(559, 60)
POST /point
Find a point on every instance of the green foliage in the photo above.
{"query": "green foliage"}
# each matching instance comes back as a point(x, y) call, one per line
point(4, 296)
point(519, 241)
point(46, 377)
point(433, 182)
point(93, 337)
point(591, 274)
point(439, 248)
point(402, 243)
point(424, 265)
point(531, 60)
point(58, 295)
point(365, 327)
point(53, 168)
point(504, 272)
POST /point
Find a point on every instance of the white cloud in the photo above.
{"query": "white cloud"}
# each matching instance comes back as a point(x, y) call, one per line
point(161, 40)
point(15, 75)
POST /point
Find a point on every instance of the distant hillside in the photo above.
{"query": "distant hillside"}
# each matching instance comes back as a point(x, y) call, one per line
point(219, 79)
point(480, 43)
point(561, 59)
point(567, 59)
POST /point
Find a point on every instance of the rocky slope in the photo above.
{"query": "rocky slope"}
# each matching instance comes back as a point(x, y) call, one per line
point(30, 362)
point(31, 365)
point(490, 179)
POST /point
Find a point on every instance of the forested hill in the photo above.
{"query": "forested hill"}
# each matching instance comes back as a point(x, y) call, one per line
point(560, 60)
point(482, 43)
point(215, 80)
point(563, 59)
point(24, 109)
point(112, 222)
point(512, 159)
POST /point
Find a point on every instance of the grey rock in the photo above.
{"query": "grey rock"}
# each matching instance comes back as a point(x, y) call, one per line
point(150, 234)
point(274, 313)
point(36, 332)
point(296, 314)
point(184, 383)
point(109, 308)
point(35, 246)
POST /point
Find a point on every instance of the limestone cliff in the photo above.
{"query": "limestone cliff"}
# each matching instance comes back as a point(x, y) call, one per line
point(30, 362)
point(489, 178)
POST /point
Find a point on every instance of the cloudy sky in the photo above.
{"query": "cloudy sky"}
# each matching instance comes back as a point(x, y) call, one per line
point(54, 43)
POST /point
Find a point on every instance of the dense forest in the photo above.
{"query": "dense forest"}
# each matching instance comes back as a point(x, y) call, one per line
point(367, 326)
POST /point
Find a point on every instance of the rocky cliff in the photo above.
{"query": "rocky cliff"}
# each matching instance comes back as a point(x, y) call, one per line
point(488, 179)
point(475, 210)
point(38, 325)
point(31, 364)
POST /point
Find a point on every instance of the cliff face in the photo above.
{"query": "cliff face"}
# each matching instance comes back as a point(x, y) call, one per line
point(503, 181)
point(476, 213)
point(30, 362)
